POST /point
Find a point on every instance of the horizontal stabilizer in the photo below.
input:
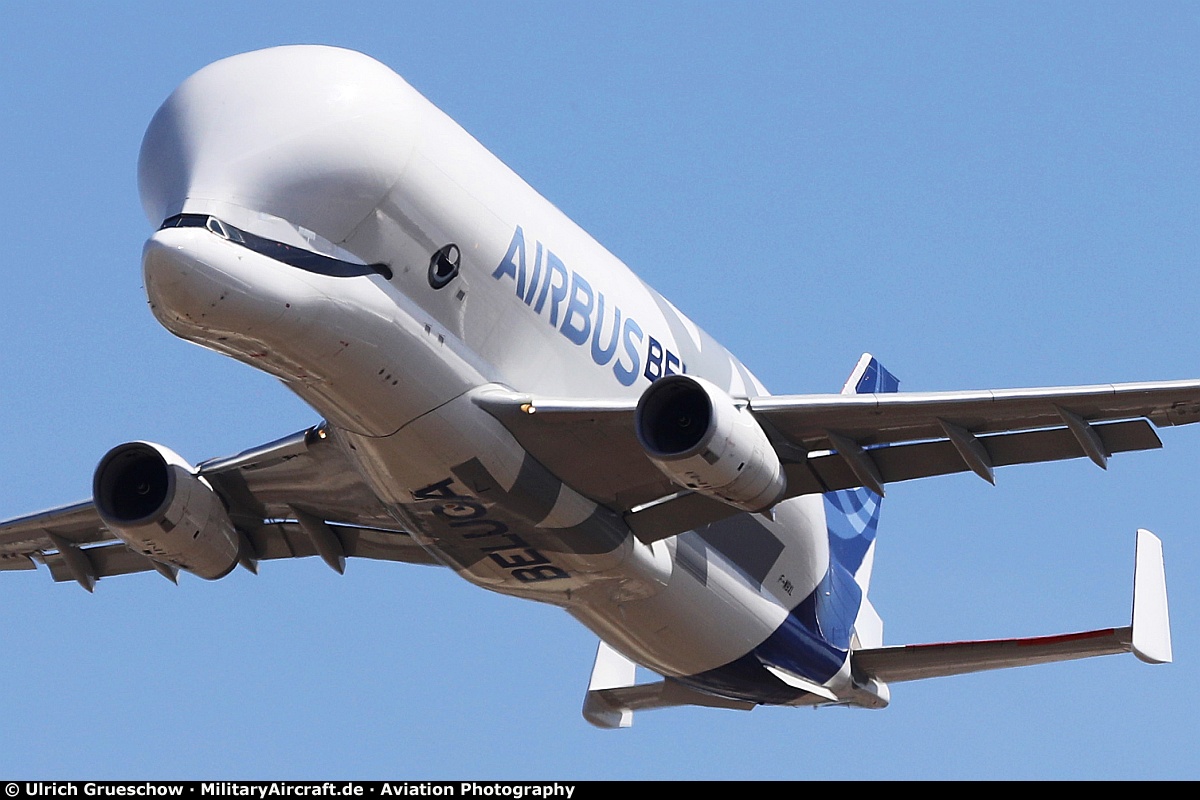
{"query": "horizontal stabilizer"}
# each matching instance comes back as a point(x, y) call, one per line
point(1149, 637)
point(613, 696)
point(912, 662)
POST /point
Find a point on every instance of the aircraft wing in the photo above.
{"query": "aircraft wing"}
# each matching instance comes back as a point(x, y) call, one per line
point(267, 490)
point(836, 441)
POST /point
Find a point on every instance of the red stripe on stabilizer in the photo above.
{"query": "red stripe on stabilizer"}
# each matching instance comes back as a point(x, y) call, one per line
point(1025, 642)
point(1067, 637)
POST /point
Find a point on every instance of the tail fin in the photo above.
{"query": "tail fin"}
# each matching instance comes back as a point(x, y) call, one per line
point(852, 515)
point(870, 377)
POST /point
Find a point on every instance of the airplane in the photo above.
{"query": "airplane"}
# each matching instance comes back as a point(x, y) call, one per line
point(502, 396)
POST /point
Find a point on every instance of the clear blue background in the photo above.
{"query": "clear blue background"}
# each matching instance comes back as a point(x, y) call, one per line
point(985, 195)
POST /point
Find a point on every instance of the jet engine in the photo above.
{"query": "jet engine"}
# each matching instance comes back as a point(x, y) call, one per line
point(154, 502)
point(701, 439)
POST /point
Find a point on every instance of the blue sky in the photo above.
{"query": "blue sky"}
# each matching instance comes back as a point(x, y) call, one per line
point(985, 195)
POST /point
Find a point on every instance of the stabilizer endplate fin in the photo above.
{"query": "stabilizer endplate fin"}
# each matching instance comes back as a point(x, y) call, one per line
point(1151, 623)
point(611, 670)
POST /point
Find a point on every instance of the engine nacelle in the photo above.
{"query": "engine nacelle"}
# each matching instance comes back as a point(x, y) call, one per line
point(152, 499)
point(695, 433)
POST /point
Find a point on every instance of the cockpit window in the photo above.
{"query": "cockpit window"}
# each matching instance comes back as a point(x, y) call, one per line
point(285, 253)
point(224, 231)
point(185, 221)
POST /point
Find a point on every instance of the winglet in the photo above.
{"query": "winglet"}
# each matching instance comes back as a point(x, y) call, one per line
point(611, 671)
point(1151, 625)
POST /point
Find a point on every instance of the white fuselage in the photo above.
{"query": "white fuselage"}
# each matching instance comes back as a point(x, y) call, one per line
point(329, 151)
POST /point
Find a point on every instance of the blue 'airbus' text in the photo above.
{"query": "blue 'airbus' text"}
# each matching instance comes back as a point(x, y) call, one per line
point(545, 284)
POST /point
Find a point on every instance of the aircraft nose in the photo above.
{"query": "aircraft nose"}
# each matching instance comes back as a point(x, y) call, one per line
point(314, 135)
point(200, 291)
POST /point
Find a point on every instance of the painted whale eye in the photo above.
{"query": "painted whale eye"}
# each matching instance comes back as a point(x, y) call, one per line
point(443, 265)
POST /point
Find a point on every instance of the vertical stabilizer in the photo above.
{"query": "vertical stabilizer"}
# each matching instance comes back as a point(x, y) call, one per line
point(852, 515)
point(870, 377)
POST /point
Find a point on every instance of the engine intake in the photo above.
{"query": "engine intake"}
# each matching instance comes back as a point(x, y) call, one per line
point(154, 502)
point(702, 440)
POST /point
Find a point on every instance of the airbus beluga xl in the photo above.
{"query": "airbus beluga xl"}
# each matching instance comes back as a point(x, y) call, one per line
point(503, 397)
